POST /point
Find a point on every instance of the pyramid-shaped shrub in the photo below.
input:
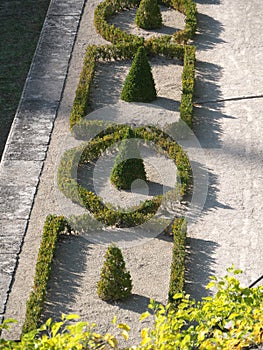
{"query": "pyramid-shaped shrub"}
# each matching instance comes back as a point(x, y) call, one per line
point(148, 15)
point(128, 165)
point(115, 281)
point(139, 84)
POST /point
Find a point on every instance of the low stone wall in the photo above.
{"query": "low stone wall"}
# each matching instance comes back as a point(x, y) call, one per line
point(28, 141)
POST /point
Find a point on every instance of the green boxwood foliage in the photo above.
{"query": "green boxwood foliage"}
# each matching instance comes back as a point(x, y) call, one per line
point(86, 153)
point(188, 80)
point(54, 225)
point(108, 31)
point(128, 165)
point(139, 84)
point(178, 259)
point(115, 281)
point(148, 15)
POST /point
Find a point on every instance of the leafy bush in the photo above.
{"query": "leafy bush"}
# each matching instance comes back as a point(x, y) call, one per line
point(54, 225)
point(115, 281)
point(139, 84)
point(128, 165)
point(232, 319)
point(64, 335)
point(148, 15)
point(178, 258)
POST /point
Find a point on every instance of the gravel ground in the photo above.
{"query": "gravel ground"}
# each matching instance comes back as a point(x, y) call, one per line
point(72, 286)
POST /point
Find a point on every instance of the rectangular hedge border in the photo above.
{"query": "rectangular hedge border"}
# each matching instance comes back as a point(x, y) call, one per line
point(177, 276)
point(54, 225)
point(127, 51)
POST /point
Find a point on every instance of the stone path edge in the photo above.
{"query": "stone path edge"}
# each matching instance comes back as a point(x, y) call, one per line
point(27, 144)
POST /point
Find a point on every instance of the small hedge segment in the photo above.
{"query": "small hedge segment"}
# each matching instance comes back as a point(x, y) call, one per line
point(54, 225)
point(115, 281)
point(178, 259)
point(139, 85)
point(188, 81)
point(148, 15)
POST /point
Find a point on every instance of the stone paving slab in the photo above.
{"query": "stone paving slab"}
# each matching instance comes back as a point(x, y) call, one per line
point(27, 144)
point(66, 7)
point(11, 172)
point(5, 282)
point(17, 200)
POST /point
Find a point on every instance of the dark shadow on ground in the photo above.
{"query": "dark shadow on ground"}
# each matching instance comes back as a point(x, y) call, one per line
point(208, 32)
point(167, 103)
point(208, 2)
point(199, 266)
point(136, 303)
point(202, 198)
point(66, 278)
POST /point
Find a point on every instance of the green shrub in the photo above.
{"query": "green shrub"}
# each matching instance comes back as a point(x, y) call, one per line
point(80, 104)
point(231, 319)
point(178, 259)
point(139, 84)
point(128, 165)
point(54, 225)
point(115, 281)
point(148, 15)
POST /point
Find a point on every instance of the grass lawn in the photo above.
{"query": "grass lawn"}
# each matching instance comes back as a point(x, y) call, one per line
point(20, 25)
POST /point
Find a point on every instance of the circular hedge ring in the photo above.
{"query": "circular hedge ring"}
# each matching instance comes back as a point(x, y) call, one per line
point(89, 152)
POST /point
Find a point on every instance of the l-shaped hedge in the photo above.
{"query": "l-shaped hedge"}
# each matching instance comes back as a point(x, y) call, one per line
point(54, 225)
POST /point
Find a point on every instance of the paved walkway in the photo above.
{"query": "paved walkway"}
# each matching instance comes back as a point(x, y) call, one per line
point(228, 123)
point(28, 141)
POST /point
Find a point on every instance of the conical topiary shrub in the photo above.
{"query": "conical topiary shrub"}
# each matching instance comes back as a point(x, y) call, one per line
point(148, 15)
point(128, 165)
point(115, 281)
point(139, 84)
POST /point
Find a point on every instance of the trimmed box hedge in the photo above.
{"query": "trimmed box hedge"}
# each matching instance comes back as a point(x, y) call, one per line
point(177, 277)
point(126, 45)
point(54, 225)
point(73, 158)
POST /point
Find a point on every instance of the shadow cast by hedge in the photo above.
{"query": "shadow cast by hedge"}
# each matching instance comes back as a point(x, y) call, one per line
point(68, 268)
point(199, 266)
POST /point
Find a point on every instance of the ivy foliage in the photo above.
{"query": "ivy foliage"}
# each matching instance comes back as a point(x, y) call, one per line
point(128, 165)
point(139, 85)
point(115, 281)
point(148, 15)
